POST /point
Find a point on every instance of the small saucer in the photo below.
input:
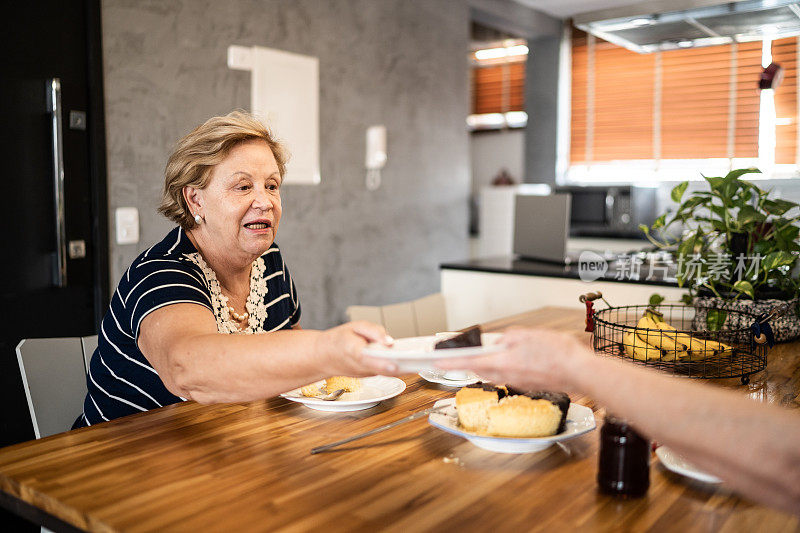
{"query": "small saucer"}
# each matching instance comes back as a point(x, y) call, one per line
point(437, 376)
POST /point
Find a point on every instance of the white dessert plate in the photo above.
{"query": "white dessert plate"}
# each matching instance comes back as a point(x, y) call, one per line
point(373, 390)
point(580, 420)
point(414, 354)
point(676, 463)
point(438, 376)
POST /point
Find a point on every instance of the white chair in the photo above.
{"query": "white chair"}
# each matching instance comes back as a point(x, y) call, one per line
point(89, 345)
point(54, 375)
point(424, 316)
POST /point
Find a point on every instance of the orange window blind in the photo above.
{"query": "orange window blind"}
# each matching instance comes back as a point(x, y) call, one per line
point(498, 88)
point(682, 104)
point(784, 52)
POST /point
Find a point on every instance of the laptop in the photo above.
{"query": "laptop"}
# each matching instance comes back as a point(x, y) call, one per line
point(541, 228)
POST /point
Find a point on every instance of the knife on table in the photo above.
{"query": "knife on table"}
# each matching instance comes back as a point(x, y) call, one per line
point(409, 418)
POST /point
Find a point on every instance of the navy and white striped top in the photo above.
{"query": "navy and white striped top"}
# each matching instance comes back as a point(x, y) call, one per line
point(120, 379)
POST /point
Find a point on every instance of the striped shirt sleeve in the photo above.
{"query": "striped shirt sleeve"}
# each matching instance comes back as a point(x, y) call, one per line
point(294, 319)
point(158, 284)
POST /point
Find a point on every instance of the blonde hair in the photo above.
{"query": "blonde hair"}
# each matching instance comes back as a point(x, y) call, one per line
point(196, 155)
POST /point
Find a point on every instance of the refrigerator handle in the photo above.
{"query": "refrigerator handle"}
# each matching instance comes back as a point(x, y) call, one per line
point(53, 91)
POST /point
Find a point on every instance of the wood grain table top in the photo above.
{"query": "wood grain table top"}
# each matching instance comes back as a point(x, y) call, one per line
point(247, 467)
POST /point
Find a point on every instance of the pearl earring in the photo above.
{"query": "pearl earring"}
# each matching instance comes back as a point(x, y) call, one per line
point(198, 219)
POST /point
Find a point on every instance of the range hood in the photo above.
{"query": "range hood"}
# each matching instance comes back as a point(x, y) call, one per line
point(667, 25)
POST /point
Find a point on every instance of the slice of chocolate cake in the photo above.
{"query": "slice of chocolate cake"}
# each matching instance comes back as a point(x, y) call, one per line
point(559, 399)
point(470, 337)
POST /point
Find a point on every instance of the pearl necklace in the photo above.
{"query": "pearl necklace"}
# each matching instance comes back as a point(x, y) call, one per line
point(236, 316)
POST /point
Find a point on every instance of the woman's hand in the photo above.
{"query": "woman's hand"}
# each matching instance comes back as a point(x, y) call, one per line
point(534, 359)
point(342, 348)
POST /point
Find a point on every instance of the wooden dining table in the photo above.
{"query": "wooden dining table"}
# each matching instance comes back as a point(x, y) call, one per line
point(248, 467)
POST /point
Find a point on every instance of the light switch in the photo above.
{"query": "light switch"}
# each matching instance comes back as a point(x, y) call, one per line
point(127, 219)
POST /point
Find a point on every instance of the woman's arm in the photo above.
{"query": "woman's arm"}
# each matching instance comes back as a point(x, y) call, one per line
point(754, 447)
point(195, 361)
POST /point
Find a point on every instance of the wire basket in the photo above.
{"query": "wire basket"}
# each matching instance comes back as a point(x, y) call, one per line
point(673, 344)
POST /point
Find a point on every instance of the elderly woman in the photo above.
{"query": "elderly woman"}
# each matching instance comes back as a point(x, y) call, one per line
point(167, 335)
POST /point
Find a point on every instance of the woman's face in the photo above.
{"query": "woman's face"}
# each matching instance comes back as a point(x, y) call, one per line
point(241, 204)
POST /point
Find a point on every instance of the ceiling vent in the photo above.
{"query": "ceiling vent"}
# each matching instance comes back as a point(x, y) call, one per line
point(698, 24)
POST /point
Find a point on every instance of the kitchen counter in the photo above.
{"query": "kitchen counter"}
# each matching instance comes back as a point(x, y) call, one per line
point(618, 271)
point(479, 290)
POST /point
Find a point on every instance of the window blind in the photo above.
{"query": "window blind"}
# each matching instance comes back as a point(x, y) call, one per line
point(498, 88)
point(681, 104)
point(784, 52)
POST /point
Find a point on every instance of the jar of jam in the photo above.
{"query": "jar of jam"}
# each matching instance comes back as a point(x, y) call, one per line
point(624, 465)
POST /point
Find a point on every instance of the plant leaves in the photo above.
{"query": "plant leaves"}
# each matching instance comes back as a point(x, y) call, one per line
point(716, 318)
point(734, 174)
point(678, 190)
point(655, 299)
point(778, 207)
point(687, 299)
point(659, 222)
point(777, 259)
point(790, 233)
point(715, 183)
point(745, 287)
point(718, 210)
point(749, 215)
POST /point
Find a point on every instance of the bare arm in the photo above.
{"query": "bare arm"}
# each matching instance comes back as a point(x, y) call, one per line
point(753, 446)
point(195, 361)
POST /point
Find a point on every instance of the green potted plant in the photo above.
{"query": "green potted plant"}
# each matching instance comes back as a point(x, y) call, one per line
point(737, 248)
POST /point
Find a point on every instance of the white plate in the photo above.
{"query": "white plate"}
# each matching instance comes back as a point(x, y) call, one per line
point(580, 420)
point(373, 390)
point(437, 376)
point(414, 354)
point(676, 463)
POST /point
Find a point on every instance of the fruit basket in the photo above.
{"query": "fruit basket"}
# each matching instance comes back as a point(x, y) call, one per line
point(665, 337)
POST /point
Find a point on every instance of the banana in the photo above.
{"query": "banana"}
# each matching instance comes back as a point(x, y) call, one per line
point(641, 350)
point(652, 314)
point(698, 349)
point(648, 330)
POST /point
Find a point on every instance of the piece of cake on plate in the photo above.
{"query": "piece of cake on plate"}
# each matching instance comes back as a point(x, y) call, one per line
point(347, 383)
point(467, 338)
point(473, 403)
point(507, 412)
point(520, 416)
point(334, 383)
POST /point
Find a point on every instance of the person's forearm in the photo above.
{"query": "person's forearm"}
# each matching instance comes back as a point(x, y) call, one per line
point(214, 368)
point(754, 447)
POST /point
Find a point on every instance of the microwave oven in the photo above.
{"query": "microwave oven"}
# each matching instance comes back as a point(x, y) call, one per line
point(610, 211)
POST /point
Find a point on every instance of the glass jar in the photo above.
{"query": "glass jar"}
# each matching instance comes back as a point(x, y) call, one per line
point(624, 464)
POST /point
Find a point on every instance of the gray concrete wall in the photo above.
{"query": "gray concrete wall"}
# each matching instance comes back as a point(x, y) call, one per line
point(392, 62)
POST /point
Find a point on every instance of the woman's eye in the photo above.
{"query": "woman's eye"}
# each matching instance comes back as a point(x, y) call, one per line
point(242, 187)
point(272, 187)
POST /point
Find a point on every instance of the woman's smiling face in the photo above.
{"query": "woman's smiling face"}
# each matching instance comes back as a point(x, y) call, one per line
point(241, 204)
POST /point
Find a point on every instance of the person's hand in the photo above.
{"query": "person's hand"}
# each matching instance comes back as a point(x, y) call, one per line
point(343, 345)
point(533, 359)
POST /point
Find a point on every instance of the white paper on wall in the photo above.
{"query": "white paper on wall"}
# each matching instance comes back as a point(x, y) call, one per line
point(284, 93)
